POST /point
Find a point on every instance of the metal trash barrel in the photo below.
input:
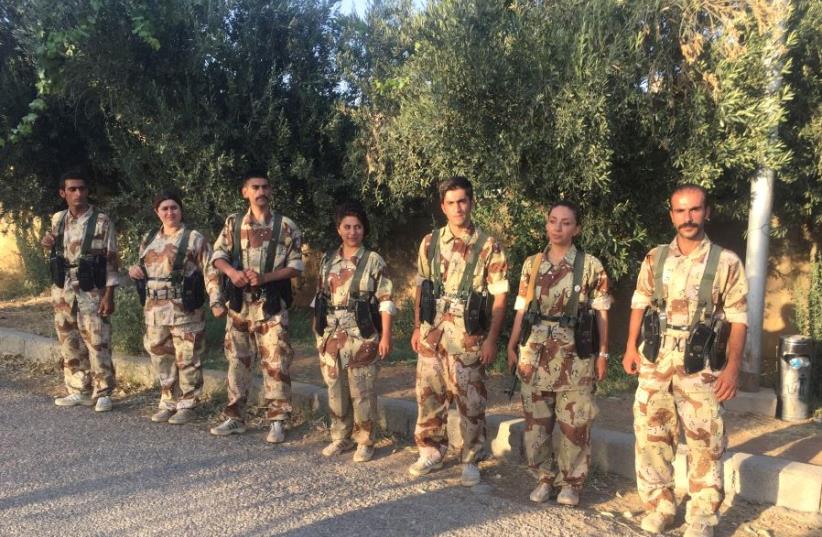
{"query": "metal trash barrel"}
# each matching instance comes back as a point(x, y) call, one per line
point(795, 354)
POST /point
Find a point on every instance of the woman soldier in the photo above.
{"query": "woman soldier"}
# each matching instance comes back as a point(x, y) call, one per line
point(559, 361)
point(170, 282)
point(353, 299)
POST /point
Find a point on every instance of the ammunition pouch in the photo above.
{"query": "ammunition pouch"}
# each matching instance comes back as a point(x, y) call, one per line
point(276, 293)
point(91, 272)
point(367, 315)
point(651, 334)
point(707, 344)
point(320, 313)
point(586, 333)
point(428, 302)
point(528, 321)
point(140, 285)
point(476, 318)
point(232, 295)
point(57, 269)
point(193, 291)
point(698, 348)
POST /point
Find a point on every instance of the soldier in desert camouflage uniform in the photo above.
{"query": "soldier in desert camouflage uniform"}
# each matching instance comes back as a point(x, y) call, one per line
point(557, 383)
point(251, 332)
point(83, 235)
point(451, 362)
point(348, 357)
point(668, 398)
point(175, 335)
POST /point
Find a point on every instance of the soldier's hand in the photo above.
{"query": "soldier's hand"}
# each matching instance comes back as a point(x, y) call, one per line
point(602, 368)
point(136, 273)
point(488, 353)
point(512, 359)
point(631, 361)
point(238, 278)
point(725, 385)
point(384, 348)
point(415, 340)
point(218, 311)
point(48, 240)
point(253, 278)
point(106, 305)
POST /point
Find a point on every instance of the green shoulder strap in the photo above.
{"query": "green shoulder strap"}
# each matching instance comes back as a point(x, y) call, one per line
point(59, 247)
point(325, 268)
point(434, 256)
point(659, 265)
point(236, 249)
point(362, 262)
point(531, 297)
point(149, 238)
point(271, 253)
point(182, 249)
point(91, 226)
point(572, 307)
point(467, 281)
point(705, 305)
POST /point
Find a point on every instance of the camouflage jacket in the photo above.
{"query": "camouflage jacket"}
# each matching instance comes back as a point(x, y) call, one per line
point(681, 276)
point(104, 242)
point(254, 240)
point(158, 258)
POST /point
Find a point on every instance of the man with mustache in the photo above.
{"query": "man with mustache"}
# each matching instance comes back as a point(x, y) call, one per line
point(268, 251)
point(677, 388)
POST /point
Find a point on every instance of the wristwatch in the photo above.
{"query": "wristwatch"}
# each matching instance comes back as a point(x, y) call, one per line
point(604, 355)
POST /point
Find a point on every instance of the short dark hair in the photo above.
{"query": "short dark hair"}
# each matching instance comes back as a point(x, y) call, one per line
point(75, 174)
point(253, 173)
point(570, 205)
point(352, 208)
point(167, 195)
point(457, 182)
point(690, 186)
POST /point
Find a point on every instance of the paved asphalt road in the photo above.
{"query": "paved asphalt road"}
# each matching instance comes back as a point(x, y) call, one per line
point(74, 472)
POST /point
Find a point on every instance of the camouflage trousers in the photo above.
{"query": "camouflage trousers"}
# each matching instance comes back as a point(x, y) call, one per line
point(176, 353)
point(443, 376)
point(574, 410)
point(245, 342)
point(666, 399)
point(85, 344)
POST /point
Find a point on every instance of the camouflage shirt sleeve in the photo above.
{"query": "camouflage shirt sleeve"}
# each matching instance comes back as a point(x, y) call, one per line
point(383, 287)
point(524, 280)
point(202, 258)
point(423, 263)
point(496, 272)
point(292, 241)
point(598, 292)
point(644, 284)
point(112, 260)
point(735, 291)
point(224, 242)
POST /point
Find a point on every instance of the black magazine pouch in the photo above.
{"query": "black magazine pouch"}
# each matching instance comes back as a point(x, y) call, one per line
point(320, 313)
point(140, 286)
point(473, 313)
point(85, 273)
point(428, 302)
point(99, 270)
point(586, 333)
point(194, 292)
point(362, 314)
point(57, 269)
point(716, 356)
point(273, 302)
point(650, 334)
point(700, 342)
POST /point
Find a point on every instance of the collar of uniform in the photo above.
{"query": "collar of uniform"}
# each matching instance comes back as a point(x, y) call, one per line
point(447, 235)
point(175, 234)
point(338, 256)
point(568, 258)
point(251, 221)
point(697, 252)
point(82, 218)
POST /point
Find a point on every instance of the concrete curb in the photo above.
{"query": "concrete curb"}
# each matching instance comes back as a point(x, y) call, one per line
point(757, 478)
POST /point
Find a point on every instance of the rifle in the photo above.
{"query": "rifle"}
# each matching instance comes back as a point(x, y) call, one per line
point(510, 391)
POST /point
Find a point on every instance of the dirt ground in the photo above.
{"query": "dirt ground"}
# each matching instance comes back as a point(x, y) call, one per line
point(749, 433)
point(605, 494)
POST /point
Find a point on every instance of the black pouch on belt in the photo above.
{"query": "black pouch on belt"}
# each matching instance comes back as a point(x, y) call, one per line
point(428, 302)
point(362, 313)
point(273, 300)
point(650, 334)
point(85, 274)
point(716, 356)
point(320, 313)
point(98, 266)
point(57, 269)
point(472, 314)
point(528, 321)
point(698, 347)
point(586, 333)
point(194, 291)
point(140, 286)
